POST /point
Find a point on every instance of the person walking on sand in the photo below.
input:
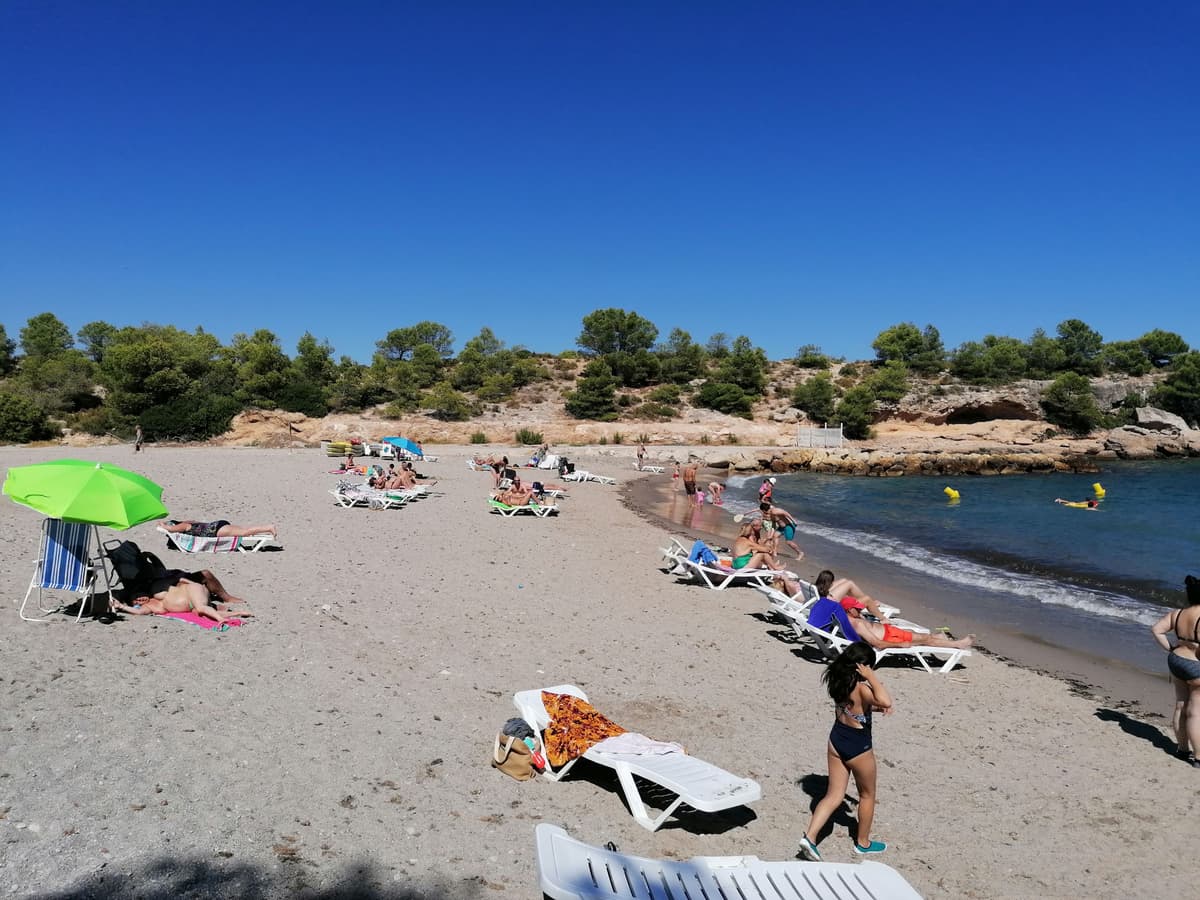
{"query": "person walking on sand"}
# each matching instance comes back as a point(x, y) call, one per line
point(1183, 662)
point(856, 692)
point(137, 438)
point(641, 455)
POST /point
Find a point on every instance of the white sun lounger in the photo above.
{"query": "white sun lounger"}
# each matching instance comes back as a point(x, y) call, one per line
point(931, 659)
point(719, 577)
point(189, 543)
point(572, 870)
point(584, 475)
point(540, 510)
point(697, 783)
point(351, 497)
point(654, 470)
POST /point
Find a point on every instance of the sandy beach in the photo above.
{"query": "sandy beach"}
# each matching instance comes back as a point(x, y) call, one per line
point(339, 744)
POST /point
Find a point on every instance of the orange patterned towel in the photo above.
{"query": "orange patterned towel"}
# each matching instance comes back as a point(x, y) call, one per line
point(574, 727)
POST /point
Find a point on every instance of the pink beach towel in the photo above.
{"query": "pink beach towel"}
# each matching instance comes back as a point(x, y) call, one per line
point(202, 621)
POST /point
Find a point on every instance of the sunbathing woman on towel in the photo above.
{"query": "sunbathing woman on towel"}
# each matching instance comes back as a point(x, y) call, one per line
point(219, 528)
point(184, 596)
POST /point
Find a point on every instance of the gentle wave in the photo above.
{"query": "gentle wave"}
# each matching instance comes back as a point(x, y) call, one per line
point(964, 572)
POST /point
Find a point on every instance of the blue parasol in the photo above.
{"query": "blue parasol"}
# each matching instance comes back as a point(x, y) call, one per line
point(403, 443)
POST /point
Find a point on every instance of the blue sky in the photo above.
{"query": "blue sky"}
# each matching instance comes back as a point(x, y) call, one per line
point(796, 172)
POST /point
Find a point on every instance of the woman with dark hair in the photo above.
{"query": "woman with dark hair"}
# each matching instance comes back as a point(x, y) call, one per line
point(1183, 662)
point(857, 692)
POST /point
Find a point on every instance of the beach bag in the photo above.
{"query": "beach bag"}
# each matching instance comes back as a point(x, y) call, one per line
point(512, 757)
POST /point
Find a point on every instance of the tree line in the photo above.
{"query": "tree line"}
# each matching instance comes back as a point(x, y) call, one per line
point(188, 385)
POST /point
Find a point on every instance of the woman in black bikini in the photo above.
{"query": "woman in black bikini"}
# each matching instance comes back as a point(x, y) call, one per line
point(857, 692)
point(1183, 661)
point(219, 528)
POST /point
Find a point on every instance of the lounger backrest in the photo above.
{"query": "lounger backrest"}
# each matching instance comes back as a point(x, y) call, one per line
point(533, 711)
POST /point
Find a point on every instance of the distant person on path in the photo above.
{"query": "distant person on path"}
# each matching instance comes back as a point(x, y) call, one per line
point(689, 479)
point(641, 455)
point(219, 528)
point(857, 692)
point(675, 476)
point(881, 636)
point(1183, 662)
point(138, 437)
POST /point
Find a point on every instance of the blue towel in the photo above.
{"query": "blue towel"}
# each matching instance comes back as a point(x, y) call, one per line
point(701, 554)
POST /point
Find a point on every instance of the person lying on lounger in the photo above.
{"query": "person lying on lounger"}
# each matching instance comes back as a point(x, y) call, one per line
point(839, 590)
point(219, 528)
point(183, 596)
point(881, 635)
point(518, 494)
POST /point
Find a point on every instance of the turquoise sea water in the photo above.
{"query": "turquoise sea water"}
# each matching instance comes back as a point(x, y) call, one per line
point(1006, 537)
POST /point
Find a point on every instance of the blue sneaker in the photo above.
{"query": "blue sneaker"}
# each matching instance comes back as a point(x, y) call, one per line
point(873, 847)
point(808, 850)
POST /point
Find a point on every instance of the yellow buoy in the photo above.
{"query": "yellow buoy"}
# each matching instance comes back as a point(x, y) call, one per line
point(1100, 492)
point(950, 492)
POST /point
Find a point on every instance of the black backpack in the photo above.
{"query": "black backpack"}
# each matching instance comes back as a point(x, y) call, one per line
point(135, 567)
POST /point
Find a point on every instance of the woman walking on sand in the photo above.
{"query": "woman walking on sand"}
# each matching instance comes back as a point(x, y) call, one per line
point(1183, 661)
point(857, 692)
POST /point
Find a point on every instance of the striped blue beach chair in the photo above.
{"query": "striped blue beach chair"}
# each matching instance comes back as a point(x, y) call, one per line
point(65, 565)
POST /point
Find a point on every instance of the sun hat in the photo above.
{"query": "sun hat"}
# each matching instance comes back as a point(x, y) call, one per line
point(849, 602)
point(772, 480)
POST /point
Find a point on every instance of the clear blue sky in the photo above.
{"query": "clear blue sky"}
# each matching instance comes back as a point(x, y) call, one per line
point(797, 172)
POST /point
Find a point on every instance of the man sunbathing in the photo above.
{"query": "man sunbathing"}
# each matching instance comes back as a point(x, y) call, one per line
point(183, 596)
point(219, 528)
point(880, 635)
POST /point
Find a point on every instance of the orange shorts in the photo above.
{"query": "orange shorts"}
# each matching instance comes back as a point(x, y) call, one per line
point(892, 633)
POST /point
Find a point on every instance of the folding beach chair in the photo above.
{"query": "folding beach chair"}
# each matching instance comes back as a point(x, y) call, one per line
point(572, 870)
point(699, 784)
point(65, 564)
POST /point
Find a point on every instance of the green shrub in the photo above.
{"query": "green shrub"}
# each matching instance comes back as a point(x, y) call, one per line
point(1069, 403)
point(529, 437)
point(816, 397)
point(725, 397)
point(626, 400)
point(21, 421)
point(665, 393)
point(856, 412)
point(656, 411)
point(643, 438)
point(704, 438)
point(479, 438)
point(732, 438)
point(603, 440)
point(617, 437)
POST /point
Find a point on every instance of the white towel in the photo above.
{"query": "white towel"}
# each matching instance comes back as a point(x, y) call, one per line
point(639, 744)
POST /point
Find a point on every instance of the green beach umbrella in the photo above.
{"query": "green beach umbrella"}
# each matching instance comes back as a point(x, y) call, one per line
point(80, 491)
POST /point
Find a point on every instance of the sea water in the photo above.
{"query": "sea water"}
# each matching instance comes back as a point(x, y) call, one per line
point(1006, 544)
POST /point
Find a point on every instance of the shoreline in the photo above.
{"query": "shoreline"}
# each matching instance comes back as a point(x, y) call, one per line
point(1084, 673)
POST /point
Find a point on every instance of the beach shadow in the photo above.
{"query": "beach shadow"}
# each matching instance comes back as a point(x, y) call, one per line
point(172, 877)
point(815, 786)
point(656, 798)
point(1137, 729)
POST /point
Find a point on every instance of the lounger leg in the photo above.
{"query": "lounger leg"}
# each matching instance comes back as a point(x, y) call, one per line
point(634, 798)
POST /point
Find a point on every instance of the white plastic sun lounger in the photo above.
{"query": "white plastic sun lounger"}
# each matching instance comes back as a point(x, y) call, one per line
point(583, 475)
point(348, 498)
point(572, 870)
point(535, 509)
point(654, 470)
point(931, 659)
point(718, 577)
point(697, 783)
point(189, 543)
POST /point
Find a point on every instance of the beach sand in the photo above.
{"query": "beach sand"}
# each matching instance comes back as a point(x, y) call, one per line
point(339, 744)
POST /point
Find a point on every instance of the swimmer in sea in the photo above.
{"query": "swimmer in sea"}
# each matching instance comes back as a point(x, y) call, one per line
point(1079, 504)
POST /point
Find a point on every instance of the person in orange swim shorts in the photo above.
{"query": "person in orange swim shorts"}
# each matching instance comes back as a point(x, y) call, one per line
point(882, 636)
